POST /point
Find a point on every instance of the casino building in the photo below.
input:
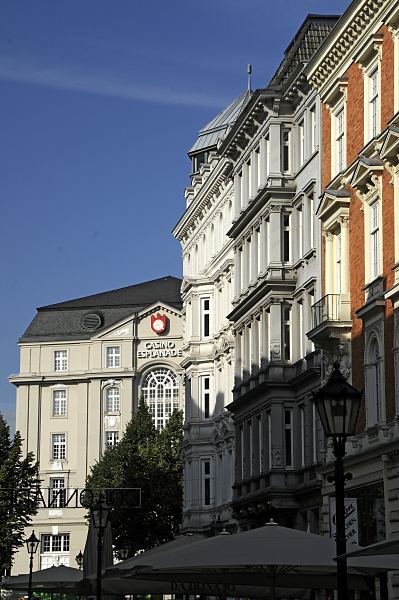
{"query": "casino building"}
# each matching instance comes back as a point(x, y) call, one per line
point(84, 364)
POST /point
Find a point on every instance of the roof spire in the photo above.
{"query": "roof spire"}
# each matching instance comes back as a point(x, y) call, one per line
point(249, 71)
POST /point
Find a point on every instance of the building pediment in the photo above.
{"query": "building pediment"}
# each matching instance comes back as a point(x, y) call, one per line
point(390, 146)
point(332, 201)
point(365, 171)
point(158, 306)
point(123, 329)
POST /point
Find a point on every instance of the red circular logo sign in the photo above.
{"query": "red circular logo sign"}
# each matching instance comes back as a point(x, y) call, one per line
point(158, 323)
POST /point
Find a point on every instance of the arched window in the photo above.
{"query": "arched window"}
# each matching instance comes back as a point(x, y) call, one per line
point(161, 392)
point(112, 397)
point(375, 408)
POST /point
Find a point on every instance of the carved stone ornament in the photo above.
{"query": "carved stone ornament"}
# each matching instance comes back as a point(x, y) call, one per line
point(337, 352)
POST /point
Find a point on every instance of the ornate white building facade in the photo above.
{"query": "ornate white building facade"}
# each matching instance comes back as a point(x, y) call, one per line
point(251, 253)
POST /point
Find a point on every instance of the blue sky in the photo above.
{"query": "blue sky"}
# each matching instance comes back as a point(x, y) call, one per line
point(100, 101)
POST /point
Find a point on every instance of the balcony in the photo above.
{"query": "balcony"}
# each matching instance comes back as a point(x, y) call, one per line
point(331, 318)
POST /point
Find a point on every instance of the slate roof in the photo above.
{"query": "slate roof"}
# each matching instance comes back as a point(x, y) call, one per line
point(305, 43)
point(216, 129)
point(63, 321)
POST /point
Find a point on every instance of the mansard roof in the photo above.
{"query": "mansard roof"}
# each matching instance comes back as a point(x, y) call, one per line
point(215, 130)
point(66, 320)
point(303, 46)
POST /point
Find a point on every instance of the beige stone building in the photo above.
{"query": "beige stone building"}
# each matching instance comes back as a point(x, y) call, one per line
point(84, 364)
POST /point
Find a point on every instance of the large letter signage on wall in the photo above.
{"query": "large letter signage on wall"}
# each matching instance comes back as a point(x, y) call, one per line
point(166, 349)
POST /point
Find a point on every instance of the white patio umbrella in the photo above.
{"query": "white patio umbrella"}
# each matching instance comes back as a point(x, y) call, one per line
point(389, 547)
point(277, 555)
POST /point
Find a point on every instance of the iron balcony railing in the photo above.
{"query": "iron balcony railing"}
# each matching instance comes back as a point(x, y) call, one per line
point(326, 309)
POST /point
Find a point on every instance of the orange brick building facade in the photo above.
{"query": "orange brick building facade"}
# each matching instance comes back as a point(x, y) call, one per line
point(356, 73)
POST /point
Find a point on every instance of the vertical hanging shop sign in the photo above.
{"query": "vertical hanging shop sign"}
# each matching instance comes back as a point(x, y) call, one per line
point(351, 520)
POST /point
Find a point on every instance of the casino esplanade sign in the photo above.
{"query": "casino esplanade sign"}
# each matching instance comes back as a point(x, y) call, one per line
point(159, 348)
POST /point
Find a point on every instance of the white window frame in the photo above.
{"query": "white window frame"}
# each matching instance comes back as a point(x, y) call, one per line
point(111, 438)
point(62, 400)
point(161, 391)
point(61, 360)
point(313, 128)
point(301, 142)
point(53, 557)
point(113, 404)
point(61, 445)
point(286, 331)
point(340, 140)
point(373, 238)
point(372, 98)
point(58, 498)
point(286, 143)
point(288, 431)
point(206, 482)
point(113, 357)
point(206, 396)
point(375, 388)
point(205, 315)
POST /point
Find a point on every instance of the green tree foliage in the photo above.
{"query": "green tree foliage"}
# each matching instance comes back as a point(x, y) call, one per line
point(148, 459)
point(16, 473)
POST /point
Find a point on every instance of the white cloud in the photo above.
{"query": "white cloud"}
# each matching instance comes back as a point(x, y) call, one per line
point(100, 84)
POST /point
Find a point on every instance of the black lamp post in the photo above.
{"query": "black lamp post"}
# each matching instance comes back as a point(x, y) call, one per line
point(79, 559)
point(100, 514)
point(338, 405)
point(32, 544)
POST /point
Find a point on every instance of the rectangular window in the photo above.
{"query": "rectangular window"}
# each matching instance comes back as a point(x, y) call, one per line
point(374, 240)
point(251, 445)
point(59, 403)
point(299, 232)
point(340, 139)
point(287, 332)
point(113, 357)
point(286, 237)
point(313, 132)
point(112, 400)
point(303, 433)
point(58, 491)
point(111, 438)
point(288, 437)
point(311, 220)
point(338, 264)
point(260, 444)
point(61, 360)
point(314, 427)
point(205, 318)
point(206, 482)
point(242, 450)
point(205, 388)
point(54, 543)
point(374, 104)
point(301, 131)
point(269, 439)
point(58, 446)
point(286, 150)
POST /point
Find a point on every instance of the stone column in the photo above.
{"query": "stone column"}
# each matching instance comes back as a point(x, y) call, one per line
point(344, 221)
point(263, 161)
point(254, 255)
point(237, 272)
point(237, 196)
point(275, 149)
point(329, 263)
point(238, 360)
point(244, 186)
point(275, 235)
point(254, 172)
point(275, 333)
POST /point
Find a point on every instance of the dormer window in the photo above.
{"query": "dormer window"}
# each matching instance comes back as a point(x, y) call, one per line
point(198, 160)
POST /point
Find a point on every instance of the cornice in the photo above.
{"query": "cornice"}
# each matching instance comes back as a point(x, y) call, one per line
point(352, 29)
point(204, 197)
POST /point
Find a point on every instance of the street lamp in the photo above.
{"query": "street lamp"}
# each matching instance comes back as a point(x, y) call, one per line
point(124, 552)
point(338, 405)
point(100, 514)
point(32, 544)
point(79, 559)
